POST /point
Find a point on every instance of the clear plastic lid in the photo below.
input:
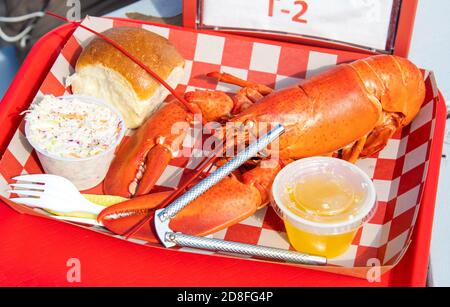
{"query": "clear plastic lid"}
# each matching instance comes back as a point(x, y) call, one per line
point(324, 195)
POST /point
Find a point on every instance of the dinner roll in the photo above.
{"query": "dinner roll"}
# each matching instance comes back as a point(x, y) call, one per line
point(104, 72)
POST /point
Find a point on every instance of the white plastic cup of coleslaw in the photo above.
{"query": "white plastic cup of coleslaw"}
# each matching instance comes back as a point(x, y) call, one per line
point(76, 143)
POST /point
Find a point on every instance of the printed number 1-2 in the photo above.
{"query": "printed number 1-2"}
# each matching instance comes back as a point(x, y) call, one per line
point(304, 8)
point(271, 2)
point(297, 16)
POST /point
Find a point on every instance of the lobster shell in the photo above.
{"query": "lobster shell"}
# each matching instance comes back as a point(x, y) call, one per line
point(342, 105)
point(353, 107)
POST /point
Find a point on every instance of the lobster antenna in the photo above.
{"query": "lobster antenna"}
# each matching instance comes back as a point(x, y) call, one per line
point(133, 58)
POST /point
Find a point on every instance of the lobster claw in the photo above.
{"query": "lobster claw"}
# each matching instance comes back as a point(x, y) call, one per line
point(157, 160)
point(223, 205)
point(122, 217)
point(142, 158)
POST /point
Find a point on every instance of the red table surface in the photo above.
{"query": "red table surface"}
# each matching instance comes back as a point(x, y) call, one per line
point(35, 251)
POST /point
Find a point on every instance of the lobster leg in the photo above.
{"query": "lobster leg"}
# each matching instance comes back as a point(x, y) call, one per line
point(352, 153)
point(375, 141)
point(227, 78)
point(213, 105)
point(245, 97)
point(380, 135)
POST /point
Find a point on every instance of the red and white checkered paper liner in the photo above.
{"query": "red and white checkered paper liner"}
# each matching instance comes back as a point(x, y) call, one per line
point(399, 171)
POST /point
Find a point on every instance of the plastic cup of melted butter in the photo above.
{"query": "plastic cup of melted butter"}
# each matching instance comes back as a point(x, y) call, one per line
point(323, 203)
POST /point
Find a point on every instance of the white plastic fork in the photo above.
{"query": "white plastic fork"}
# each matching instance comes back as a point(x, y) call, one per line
point(53, 193)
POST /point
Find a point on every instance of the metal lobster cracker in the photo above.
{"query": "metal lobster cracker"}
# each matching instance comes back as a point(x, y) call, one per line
point(170, 238)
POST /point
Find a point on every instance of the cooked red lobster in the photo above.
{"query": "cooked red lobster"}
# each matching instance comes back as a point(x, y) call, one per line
point(349, 111)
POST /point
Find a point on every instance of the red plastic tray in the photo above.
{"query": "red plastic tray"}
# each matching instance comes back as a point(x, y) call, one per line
point(35, 251)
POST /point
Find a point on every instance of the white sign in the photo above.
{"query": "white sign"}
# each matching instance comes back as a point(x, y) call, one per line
point(360, 22)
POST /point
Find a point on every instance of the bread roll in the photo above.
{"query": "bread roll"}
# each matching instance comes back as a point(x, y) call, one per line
point(104, 72)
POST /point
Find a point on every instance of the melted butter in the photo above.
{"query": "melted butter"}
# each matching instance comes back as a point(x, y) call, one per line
point(323, 198)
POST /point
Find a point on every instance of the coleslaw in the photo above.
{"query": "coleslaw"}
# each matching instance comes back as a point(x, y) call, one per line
point(72, 128)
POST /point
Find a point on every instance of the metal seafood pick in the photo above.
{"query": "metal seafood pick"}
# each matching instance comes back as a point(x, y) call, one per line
point(170, 238)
